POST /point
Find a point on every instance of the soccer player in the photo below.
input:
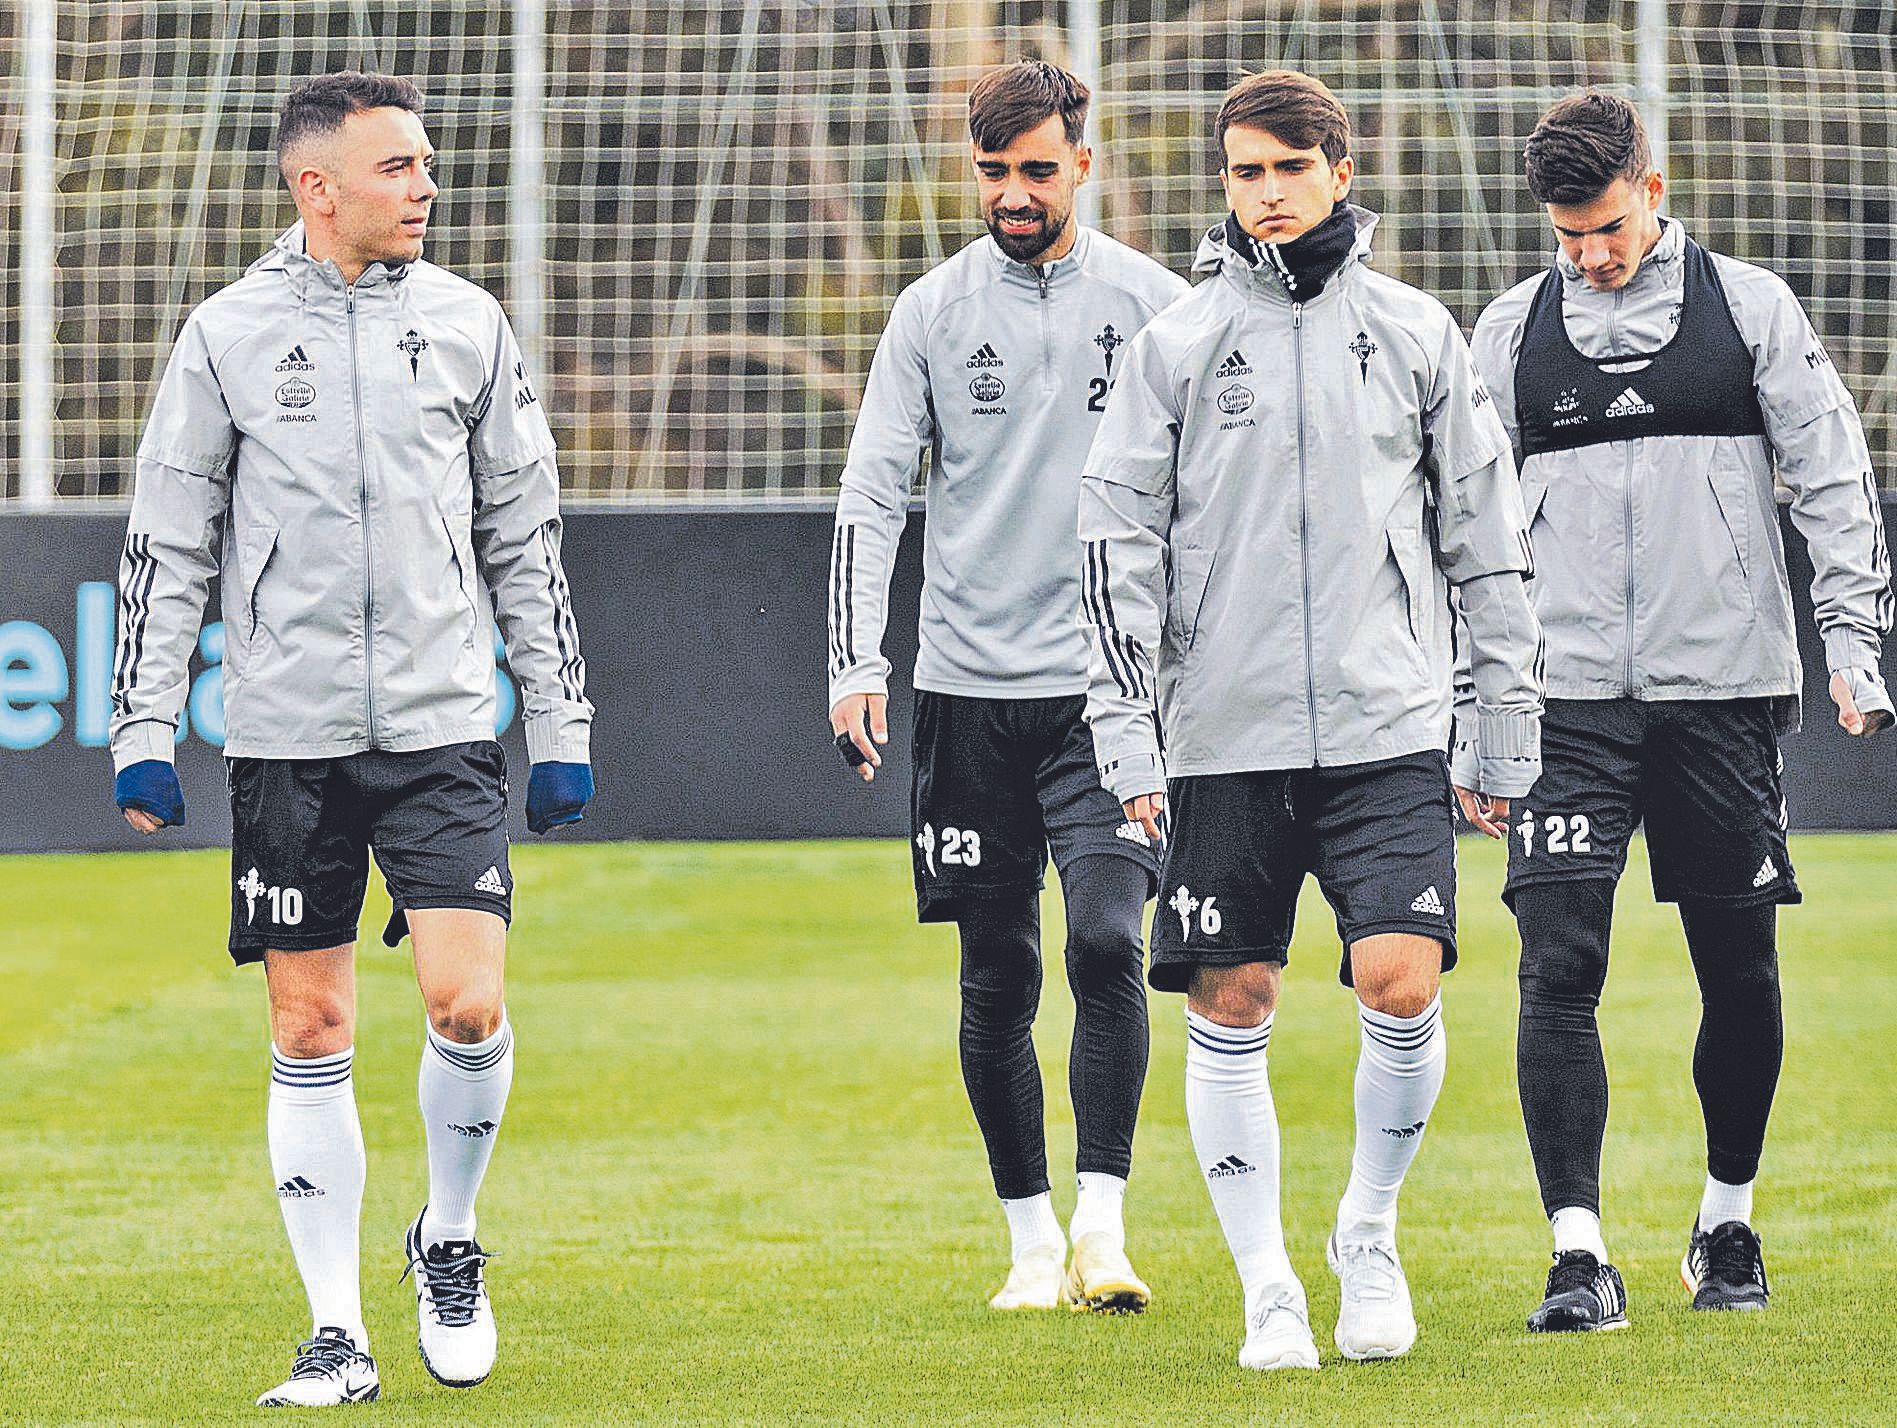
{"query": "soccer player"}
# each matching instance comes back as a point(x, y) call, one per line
point(1652, 390)
point(348, 438)
point(1296, 464)
point(1000, 361)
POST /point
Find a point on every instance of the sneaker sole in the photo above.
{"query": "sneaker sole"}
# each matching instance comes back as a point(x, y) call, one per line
point(1364, 1356)
point(1114, 1297)
point(1292, 1360)
point(447, 1382)
point(1583, 1328)
point(365, 1395)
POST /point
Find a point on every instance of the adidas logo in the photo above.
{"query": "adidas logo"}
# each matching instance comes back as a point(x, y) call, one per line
point(1629, 403)
point(1428, 902)
point(985, 356)
point(297, 1188)
point(1768, 870)
point(490, 882)
point(1228, 1167)
point(476, 1131)
point(296, 361)
point(1233, 366)
point(1405, 1132)
point(1133, 833)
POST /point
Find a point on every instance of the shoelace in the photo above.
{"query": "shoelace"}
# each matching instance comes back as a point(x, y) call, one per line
point(322, 1356)
point(1369, 1271)
point(1732, 1255)
point(453, 1278)
point(1284, 1299)
point(1574, 1270)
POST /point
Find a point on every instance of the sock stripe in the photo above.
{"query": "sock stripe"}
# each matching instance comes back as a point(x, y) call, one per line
point(473, 1062)
point(1253, 1047)
point(312, 1074)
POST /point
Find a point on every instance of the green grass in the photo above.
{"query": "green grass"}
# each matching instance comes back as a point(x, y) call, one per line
point(739, 1180)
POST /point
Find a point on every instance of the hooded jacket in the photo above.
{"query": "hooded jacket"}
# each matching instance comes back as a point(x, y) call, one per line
point(1277, 502)
point(368, 470)
point(1001, 372)
point(1659, 566)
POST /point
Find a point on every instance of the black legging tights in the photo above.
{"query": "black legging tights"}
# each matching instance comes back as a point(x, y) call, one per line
point(1001, 989)
point(1563, 1079)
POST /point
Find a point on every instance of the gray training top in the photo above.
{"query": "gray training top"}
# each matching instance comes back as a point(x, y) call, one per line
point(1002, 371)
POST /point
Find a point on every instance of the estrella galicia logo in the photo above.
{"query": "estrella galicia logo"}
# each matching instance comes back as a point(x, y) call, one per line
point(1234, 400)
point(295, 393)
point(412, 345)
point(1363, 349)
point(987, 388)
point(1567, 407)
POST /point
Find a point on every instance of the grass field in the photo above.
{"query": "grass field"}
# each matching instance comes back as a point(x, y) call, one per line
point(739, 1180)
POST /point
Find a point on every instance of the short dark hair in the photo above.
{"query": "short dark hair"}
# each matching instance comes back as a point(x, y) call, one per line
point(1582, 145)
point(1293, 108)
point(1018, 97)
point(319, 105)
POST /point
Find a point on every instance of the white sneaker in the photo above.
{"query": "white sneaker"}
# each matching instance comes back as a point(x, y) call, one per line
point(329, 1370)
point(457, 1322)
point(1278, 1329)
point(1102, 1279)
point(1034, 1280)
point(1374, 1317)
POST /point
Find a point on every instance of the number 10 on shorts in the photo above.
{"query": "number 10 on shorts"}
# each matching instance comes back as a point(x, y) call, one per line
point(286, 904)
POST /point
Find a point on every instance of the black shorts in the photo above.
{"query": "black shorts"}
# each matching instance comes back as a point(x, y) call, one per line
point(1380, 837)
point(1704, 775)
point(998, 782)
point(302, 830)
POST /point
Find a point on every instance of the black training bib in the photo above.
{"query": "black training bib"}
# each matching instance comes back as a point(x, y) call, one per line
point(1698, 384)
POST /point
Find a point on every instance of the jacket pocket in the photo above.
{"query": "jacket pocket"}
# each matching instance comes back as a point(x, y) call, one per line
point(256, 545)
point(1730, 482)
point(1406, 550)
point(461, 552)
point(1192, 577)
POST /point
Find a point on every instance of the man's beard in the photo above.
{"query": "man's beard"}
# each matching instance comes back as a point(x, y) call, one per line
point(1022, 246)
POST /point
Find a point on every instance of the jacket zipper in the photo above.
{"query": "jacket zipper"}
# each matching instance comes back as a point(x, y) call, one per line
point(1047, 348)
point(362, 471)
point(1628, 487)
point(1304, 525)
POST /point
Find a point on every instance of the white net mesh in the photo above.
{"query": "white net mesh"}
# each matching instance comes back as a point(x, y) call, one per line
point(736, 191)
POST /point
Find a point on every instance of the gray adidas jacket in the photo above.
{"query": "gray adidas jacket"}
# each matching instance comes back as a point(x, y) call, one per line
point(1002, 372)
point(369, 471)
point(1659, 567)
point(1274, 509)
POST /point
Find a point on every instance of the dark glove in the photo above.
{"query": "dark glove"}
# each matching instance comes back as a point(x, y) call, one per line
point(557, 794)
point(151, 786)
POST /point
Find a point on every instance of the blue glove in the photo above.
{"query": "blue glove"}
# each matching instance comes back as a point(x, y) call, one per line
point(557, 794)
point(151, 786)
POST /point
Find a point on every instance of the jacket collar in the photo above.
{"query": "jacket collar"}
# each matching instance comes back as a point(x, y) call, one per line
point(1661, 267)
point(1216, 255)
point(1060, 271)
point(289, 255)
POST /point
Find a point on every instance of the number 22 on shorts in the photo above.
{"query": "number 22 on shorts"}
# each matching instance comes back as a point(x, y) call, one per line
point(1564, 835)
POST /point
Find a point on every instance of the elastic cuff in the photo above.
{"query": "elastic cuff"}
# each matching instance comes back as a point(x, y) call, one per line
point(1133, 776)
point(870, 676)
point(559, 738)
point(146, 739)
point(1506, 778)
point(1848, 647)
point(1508, 733)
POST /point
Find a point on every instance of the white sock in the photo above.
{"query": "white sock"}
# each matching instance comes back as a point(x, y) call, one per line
point(1723, 1202)
point(1235, 1132)
point(317, 1160)
point(1033, 1225)
point(1576, 1228)
point(463, 1093)
point(1399, 1075)
point(1099, 1210)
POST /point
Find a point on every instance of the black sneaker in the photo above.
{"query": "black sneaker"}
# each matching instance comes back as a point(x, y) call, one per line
point(1583, 1296)
point(1725, 1269)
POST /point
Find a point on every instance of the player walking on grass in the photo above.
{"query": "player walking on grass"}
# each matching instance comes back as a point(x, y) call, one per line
point(348, 438)
point(1652, 390)
point(1296, 464)
point(999, 361)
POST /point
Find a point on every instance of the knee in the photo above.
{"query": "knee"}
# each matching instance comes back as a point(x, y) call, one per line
point(317, 1022)
point(1235, 996)
point(1404, 991)
point(465, 1016)
point(1101, 956)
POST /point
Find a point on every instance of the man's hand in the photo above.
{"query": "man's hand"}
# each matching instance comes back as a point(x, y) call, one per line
point(1146, 811)
point(557, 794)
point(1850, 719)
point(147, 793)
point(1488, 814)
point(861, 722)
